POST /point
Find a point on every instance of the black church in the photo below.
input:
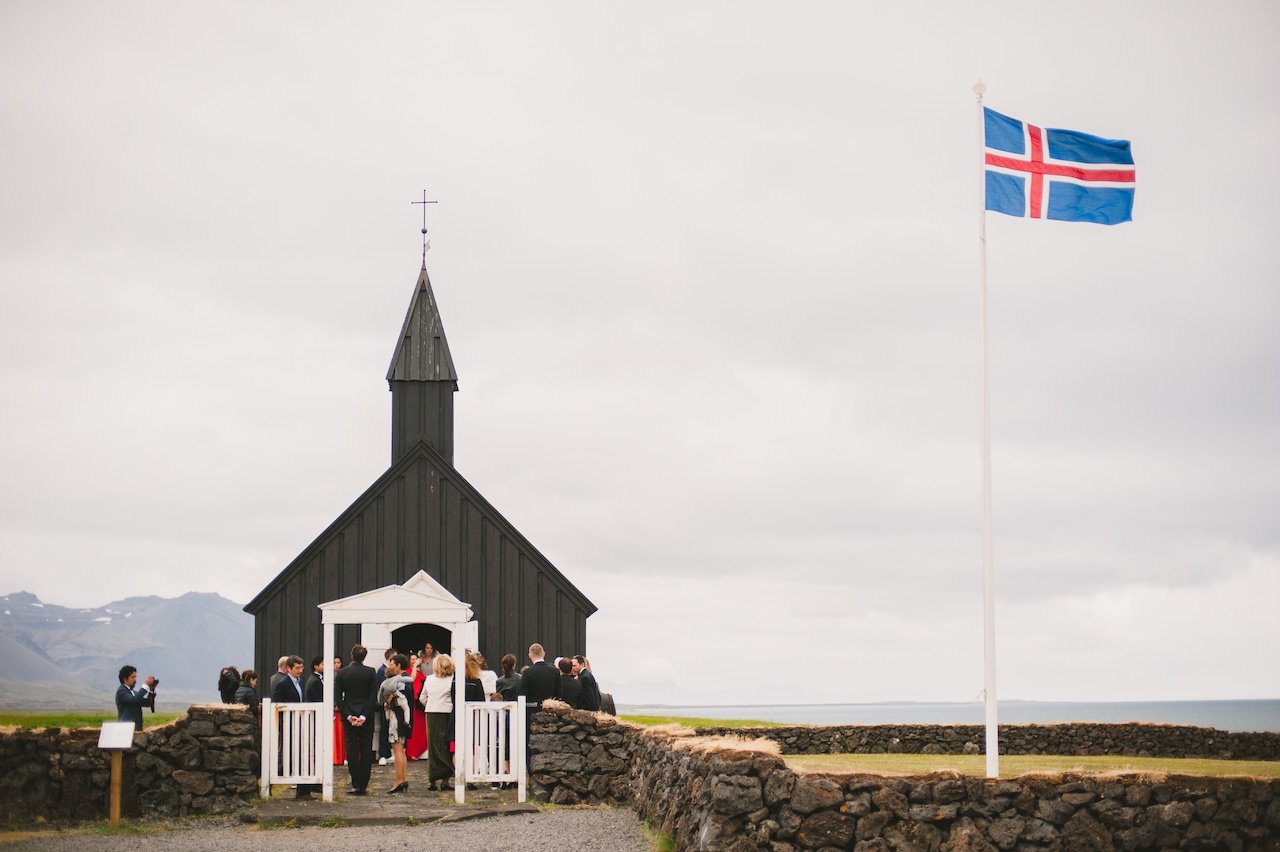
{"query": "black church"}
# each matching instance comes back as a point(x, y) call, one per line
point(422, 515)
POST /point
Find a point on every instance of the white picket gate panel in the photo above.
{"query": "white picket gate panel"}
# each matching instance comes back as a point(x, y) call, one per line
point(495, 732)
point(291, 745)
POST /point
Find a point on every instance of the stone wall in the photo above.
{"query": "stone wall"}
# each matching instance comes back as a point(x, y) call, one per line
point(729, 794)
point(205, 763)
point(744, 800)
point(1077, 738)
point(578, 757)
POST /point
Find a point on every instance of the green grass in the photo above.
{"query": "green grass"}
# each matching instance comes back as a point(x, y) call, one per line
point(1012, 765)
point(125, 828)
point(699, 722)
point(74, 719)
point(660, 842)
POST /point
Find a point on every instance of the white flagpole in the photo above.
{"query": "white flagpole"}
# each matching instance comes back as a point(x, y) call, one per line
point(988, 561)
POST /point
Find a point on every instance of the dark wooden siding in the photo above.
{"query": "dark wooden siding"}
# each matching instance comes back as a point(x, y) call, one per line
point(422, 411)
point(422, 515)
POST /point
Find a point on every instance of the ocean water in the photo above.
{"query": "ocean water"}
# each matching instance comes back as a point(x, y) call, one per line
point(1242, 715)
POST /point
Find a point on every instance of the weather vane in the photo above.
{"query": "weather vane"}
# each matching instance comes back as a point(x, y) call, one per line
point(425, 242)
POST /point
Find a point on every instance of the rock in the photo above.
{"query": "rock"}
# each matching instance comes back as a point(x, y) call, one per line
point(912, 837)
point(934, 813)
point(1055, 811)
point(1083, 832)
point(891, 801)
point(815, 794)
point(732, 795)
point(876, 844)
point(966, 837)
point(779, 786)
point(873, 824)
point(557, 743)
point(951, 790)
point(716, 832)
point(557, 762)
point(826, 829)
point(564, 796)
point(1137, 795)
point(856, 806)
point(1039, 831)
point(1178, 814)
point(1078, 799)
point(1005, 832)
point(197, 783)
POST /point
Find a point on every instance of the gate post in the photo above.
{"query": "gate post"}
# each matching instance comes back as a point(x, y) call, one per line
point(268, 747)
point(520, 749)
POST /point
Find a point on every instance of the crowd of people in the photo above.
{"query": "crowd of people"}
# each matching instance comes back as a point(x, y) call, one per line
point(403, 710)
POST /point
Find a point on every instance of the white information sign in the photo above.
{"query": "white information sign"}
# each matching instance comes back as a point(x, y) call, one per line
point(116, 735)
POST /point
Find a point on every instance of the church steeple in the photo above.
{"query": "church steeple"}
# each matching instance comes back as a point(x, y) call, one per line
point(422, 379)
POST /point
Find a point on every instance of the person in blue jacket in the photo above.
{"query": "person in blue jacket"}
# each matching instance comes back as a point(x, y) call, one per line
point(131, 698)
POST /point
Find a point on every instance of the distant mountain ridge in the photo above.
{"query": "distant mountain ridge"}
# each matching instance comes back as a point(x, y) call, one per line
point(56, 656)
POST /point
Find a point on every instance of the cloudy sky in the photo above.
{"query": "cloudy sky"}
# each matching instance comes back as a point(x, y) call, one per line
point(710, 278)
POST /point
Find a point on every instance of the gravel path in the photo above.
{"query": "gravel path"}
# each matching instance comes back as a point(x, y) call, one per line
point(552, 831)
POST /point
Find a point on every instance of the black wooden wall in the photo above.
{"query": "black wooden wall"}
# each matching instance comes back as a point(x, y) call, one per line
point(422, 515)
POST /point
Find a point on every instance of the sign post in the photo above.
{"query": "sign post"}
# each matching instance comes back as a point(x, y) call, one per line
point(116, 737)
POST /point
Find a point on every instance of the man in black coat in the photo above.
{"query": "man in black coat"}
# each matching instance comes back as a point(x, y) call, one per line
point(540, 680)
point(313, 692)
point(568, 689)
point(538, 683)
point(355, 693)
point(315, 684)
point(590, 689)
point(131, 698)
point(289, 688)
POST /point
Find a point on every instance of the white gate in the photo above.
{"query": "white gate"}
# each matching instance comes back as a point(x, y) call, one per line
point(291, 744)
point(496, 734)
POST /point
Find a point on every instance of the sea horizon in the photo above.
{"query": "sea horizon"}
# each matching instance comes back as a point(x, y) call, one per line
point(1241, 715)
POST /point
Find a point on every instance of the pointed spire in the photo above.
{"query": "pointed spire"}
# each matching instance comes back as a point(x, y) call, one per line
point(422, 352)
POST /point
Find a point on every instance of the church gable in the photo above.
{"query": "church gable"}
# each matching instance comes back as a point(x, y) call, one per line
point(421, 515)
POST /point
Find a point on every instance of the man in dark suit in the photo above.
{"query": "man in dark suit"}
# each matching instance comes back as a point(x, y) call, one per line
point(314, 692)
point(131, 698)
point(315, 684)
point(590, 689)
point(281, 672)
point(537, 684)
point(384, 741)
point(355, 691)
point(568, 689)
point(289, 690)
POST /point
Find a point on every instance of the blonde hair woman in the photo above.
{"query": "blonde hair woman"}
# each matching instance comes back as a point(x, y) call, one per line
point(437, 700)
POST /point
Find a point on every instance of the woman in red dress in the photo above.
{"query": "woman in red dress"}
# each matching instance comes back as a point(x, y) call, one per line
point(417, 745)
point(339, 738)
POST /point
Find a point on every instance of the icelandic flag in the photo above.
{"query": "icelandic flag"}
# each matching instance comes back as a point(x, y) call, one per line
point(1047, 173)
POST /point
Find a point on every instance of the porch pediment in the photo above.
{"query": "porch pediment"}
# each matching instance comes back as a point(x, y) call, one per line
point(420, 600)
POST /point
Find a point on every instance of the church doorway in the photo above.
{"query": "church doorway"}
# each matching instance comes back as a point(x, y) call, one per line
point(414, 637)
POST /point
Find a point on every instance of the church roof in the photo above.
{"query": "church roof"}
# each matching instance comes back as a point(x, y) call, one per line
point(419, 456)
point(422, 352)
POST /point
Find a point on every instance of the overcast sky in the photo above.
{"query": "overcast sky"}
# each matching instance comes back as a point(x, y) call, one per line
point(709, 273)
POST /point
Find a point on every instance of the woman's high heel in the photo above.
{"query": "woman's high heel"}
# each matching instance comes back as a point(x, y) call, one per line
point(399, 788)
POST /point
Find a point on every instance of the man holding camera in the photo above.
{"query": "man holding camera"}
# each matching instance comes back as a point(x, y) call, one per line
point(131, 698)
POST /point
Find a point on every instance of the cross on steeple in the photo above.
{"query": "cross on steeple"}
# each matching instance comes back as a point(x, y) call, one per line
point(424, 202)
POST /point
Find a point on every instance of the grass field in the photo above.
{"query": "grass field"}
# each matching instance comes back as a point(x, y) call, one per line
point(10, 719)
point(1012, 765)
point(698, 722)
